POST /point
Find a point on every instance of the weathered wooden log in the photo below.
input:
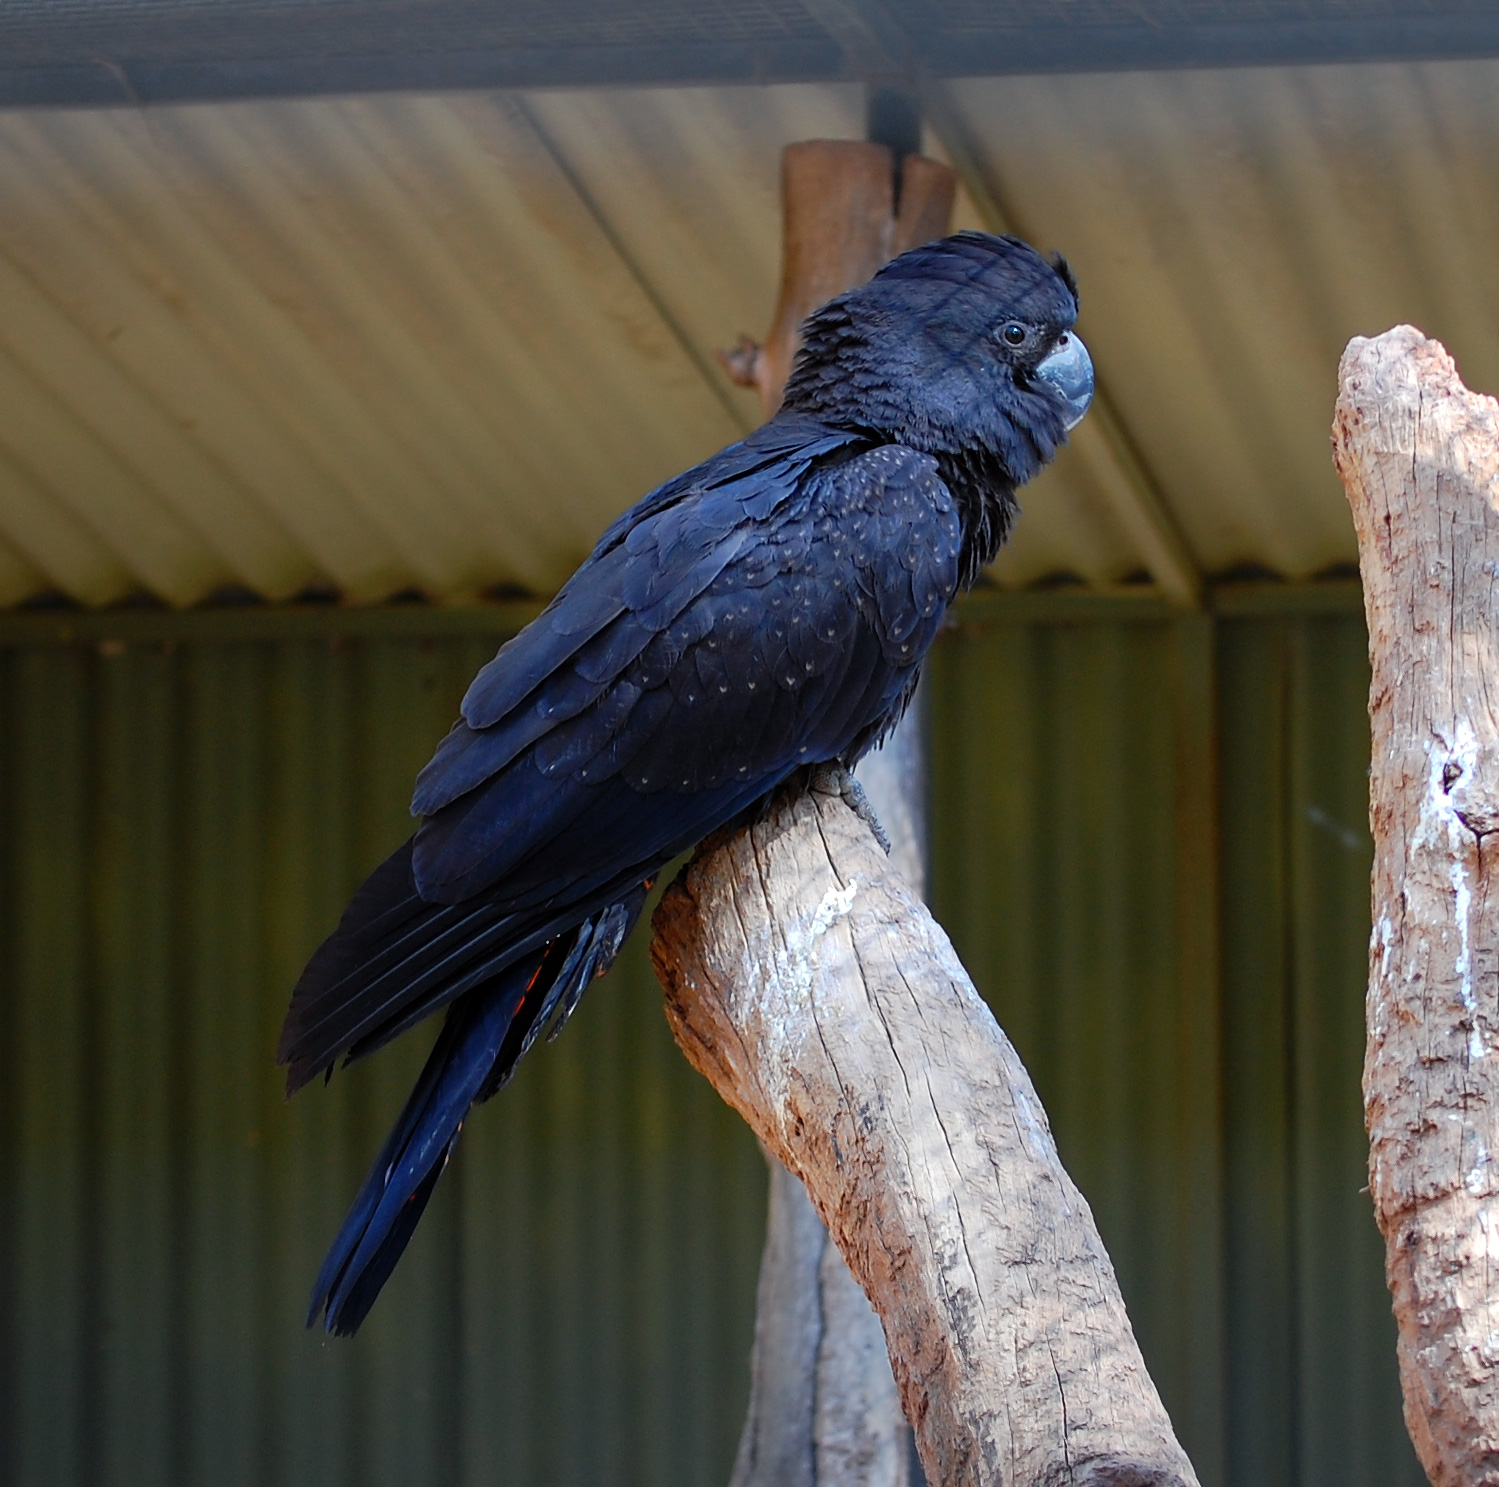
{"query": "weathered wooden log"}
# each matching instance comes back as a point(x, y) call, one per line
point(1419, 456)
point(823, 1409)
point(809, 984)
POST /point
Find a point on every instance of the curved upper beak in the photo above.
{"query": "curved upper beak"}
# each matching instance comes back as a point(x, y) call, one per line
point(1068, 370)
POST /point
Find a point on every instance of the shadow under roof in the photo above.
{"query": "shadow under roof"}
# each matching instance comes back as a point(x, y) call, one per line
point(102, 52)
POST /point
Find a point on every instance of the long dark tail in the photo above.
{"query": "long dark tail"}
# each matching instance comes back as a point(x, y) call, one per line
point(487, 1033)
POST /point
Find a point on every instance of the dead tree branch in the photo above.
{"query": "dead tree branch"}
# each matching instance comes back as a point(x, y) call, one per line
point(823, 1409)
point(1419, 455)
point(809, 984)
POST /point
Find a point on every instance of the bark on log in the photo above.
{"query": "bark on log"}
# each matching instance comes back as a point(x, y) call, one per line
point(823, 1409)
point(808, 983)
point(1419, 455)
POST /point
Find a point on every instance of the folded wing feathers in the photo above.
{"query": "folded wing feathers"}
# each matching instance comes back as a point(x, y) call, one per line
point(700, 657)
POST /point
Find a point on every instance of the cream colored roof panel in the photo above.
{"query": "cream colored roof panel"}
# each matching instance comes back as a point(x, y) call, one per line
point(689, 182)
point(1231, 231)
point(439, 341)
point(389, 345)
point(717, 268)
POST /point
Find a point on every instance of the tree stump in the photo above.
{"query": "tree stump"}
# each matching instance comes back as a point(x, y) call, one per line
point(809, 984)
point(1419, 455)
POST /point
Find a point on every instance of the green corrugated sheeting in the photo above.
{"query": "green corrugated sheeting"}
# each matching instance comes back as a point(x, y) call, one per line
point(181, 823)
point(1151, 850)
point(1148, 844)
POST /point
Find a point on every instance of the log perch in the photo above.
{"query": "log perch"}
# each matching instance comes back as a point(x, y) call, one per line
point(808, 983)
point(823, 1408)
point(1419, 456)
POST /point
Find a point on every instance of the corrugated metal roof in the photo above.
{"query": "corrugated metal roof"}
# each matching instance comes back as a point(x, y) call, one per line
point(437, 342)
point(1231, 231)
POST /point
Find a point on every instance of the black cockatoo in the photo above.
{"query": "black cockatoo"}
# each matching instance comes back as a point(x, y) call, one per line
point(766, 611)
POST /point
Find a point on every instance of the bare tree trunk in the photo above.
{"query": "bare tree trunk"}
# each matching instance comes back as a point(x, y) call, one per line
point(823, 1405)
point(808, 983)
point(823, 1408)
point(1419, 455)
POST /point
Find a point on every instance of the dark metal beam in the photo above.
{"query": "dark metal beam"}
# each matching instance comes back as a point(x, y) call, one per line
point(157, 52)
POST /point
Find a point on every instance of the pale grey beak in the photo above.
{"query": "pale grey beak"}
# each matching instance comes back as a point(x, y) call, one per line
point(1067, 370)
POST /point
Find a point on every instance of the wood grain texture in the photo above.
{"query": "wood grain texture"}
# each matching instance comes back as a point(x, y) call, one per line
point(1419, 456)
point(842, 224)
point(809, 984)
point(823, 1410)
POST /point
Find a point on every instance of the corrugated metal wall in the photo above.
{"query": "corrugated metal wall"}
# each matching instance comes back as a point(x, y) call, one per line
point(180, 822)
point(1148, 845)
point(1152, 853)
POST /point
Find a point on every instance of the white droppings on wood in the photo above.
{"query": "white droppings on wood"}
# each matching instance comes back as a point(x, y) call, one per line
point(1477, 1180)
point(1419, 455)
point(1383, 940)
point(1487, 1243)
point(836, 903)
point(1441, 829)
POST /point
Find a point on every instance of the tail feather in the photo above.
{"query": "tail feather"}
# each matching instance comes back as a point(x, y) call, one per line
point(396, 1191)
point(395, 959)
point(593, 953)
point(487, 1032)
point(417, 999)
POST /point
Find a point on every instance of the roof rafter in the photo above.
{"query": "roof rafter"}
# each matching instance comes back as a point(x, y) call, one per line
point(133, 52)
